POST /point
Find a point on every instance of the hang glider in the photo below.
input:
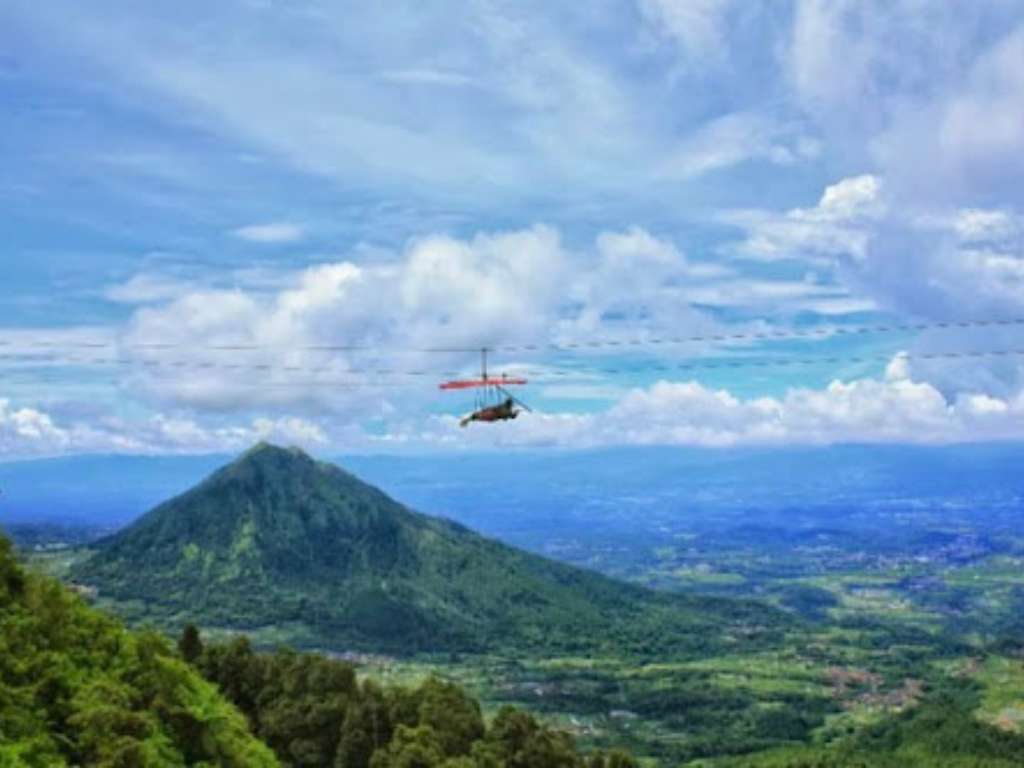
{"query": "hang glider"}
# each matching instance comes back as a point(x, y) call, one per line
point(493, 402)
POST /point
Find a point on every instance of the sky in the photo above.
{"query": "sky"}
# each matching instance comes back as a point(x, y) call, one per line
point(686, 222)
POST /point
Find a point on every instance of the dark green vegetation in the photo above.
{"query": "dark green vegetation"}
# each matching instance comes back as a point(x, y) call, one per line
point(941, 731)
point(314, 712)
point(295, 550)
point(76, 688)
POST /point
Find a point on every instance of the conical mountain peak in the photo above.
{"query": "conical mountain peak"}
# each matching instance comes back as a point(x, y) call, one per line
point(269, 464)
point(301, 549)
point(264, 452)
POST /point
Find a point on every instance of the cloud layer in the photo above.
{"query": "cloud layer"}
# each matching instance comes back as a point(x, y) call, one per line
point(345, 321)
point(259, 216)
point(895, 408)
point(28, 433)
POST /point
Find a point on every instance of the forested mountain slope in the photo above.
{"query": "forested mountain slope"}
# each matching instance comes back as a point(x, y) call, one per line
point(279, 541)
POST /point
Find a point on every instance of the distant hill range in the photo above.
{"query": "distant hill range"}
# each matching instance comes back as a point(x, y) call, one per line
point(300, 551)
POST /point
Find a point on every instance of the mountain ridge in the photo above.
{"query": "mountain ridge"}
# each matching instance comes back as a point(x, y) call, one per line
point(279, 541)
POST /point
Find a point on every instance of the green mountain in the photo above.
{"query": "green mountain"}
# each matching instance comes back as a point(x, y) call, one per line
point(291, 549)
point(77, 688)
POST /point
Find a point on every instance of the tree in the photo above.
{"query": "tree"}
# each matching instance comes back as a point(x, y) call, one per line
point(411, 748)
point(367, 728)
point(521, 742)
point(190, 645)
point(452, 715)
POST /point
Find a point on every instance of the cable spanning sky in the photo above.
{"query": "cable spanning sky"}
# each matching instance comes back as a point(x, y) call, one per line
point(238, 200)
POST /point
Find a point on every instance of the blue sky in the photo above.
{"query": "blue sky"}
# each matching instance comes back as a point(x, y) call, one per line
point(284, 176)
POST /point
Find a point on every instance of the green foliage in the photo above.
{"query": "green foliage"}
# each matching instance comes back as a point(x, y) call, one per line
point(942, 731)
point(312, 712)
point(418, 747)
point(189, 644)
point(520, 742)
point(280, 543)
point(76, 688)
point(452, 715)
point(366, 728)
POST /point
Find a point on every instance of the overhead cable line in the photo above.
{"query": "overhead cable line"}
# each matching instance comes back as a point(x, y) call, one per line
point(805, 333)
point(756, 336)
point(386, 376)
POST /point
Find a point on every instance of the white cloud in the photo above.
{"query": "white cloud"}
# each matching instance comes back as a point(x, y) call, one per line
point(930, 98)
point(174, 434)
point(277, 232)
point(698, 25)
point(975, 225)
point(779, 297)
point(896, 409)
point(635, 278)
point(898, 369)
point(736, 138)
point(968, 264)
point(28, 432)
point(929, 94)
point(497, 289)
point(851, 199)
point(965, 144)
point(841, 224)
point(146, 288)
point(965, 263)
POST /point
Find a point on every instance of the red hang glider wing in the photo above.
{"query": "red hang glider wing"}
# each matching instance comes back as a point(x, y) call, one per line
point(502, 381)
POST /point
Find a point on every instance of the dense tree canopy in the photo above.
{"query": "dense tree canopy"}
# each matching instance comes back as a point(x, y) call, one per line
point(942, 731)
point(313, 712)
point(77, 688)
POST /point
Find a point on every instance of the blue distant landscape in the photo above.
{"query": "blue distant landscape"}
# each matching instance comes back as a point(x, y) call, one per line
point(541, 500)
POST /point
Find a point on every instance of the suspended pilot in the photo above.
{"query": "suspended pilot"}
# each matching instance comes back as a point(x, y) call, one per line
point(503, 411)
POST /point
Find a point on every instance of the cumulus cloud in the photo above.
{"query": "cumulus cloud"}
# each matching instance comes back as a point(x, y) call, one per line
point(344, 321)
point(27, 432)
point(276, 232)
point(633, 276)
point(893, 409)
point(899, 407)
point(959, 264)
point(936, 263)
point(172, 434)
point(930, 100)
point(841, 224)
